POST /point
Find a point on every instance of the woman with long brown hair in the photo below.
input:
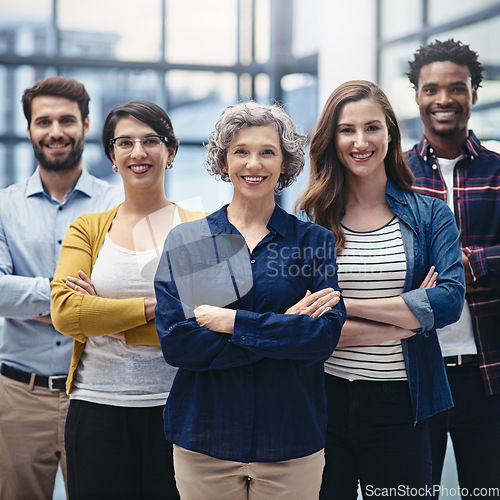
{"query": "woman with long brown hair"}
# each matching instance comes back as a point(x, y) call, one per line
point(401, 274)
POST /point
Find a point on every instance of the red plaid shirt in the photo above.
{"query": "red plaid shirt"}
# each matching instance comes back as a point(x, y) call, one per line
point(476, 199)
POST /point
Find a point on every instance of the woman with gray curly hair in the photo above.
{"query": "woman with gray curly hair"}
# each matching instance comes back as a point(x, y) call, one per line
point(247, 410)
point(251, 114)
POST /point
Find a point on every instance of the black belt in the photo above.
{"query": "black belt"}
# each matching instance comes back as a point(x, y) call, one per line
point(54, 383)
point(461, 359)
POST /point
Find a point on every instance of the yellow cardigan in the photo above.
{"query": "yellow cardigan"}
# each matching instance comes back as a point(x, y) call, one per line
point(79, 315)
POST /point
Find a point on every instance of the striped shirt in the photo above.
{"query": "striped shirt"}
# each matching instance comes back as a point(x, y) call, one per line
point(372, 265)
point(476, 198)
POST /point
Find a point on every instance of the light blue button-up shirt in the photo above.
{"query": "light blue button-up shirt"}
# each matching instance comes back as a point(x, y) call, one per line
point(33, 225)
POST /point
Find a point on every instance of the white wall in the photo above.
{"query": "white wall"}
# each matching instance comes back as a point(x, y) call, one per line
point(347, 43)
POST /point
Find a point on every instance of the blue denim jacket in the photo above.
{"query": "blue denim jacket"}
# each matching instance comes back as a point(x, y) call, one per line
point(430, 238)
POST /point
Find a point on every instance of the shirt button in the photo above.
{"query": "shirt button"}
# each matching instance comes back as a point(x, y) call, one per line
point(341, 313)
point(252, 261)
point(58, 343)
point(59, 241)
point(243, 337)
point(60, 208)
point(434, 167)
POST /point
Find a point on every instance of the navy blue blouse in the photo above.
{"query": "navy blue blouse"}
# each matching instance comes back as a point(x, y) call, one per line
point(257, 395)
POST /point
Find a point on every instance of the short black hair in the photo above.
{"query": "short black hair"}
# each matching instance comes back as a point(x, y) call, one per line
point(450, 50)
point(145, 111)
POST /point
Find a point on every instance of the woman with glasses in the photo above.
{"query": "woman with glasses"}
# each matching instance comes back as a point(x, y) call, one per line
point(103, 297)
point(247, 411)
point(387, 375)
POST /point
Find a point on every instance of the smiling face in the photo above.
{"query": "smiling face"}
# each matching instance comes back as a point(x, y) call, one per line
point(445, 98)
point(57, 132)
point(254, 162)
point(139, 167)
point(362, 139)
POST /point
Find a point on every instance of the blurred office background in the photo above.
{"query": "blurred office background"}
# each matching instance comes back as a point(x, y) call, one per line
point(194, 57)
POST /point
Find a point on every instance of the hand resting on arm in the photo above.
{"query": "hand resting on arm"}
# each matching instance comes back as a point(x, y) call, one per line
point(83, 284)
point(358, 331)
point(220, 319)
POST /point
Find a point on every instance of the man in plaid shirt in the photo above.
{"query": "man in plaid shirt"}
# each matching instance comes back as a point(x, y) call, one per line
point(450, 163)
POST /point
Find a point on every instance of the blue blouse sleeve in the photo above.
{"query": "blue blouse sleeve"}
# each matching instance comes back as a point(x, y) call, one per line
point(307, 339)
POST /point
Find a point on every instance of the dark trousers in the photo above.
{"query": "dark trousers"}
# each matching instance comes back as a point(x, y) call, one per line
point(118, 453)
point(371, 438)
point(474, 427)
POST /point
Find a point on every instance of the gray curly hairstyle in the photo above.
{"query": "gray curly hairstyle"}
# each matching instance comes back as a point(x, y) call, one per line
point(235, 118)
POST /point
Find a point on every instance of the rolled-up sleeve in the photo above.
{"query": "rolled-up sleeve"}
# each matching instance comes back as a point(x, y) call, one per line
point(442, 305)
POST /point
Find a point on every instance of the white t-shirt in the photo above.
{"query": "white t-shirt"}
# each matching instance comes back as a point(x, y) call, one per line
point(457, 338)
point(111, 372)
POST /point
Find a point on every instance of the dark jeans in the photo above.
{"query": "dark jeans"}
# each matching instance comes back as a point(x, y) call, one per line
point(118, 453)
point(371, 438)
point(474, 427)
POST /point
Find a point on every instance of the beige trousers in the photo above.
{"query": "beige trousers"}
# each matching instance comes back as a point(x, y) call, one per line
point(200, 477)
point(31, 440)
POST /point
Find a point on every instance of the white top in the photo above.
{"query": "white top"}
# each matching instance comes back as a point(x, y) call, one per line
point(457, 338)
point(447, 168)
point(110, 372)
point(372, 265)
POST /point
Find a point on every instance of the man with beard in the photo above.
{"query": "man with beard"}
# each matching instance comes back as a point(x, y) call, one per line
point(34, 218)
point(450, 163)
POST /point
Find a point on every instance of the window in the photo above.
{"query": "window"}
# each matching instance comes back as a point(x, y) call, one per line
point(190, 57)
point(474, 23)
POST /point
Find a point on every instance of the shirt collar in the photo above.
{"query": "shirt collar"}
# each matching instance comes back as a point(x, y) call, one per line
point(84, 184)
point(279, 221)
point(398, 201)
point(35, 185)
point(219, 224)
point(395, 193)
point(470, 147)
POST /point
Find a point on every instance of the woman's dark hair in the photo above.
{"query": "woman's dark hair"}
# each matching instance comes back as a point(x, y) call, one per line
point(145, 111)
point(450, 50)
point(324, 197)
point(59, 86)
